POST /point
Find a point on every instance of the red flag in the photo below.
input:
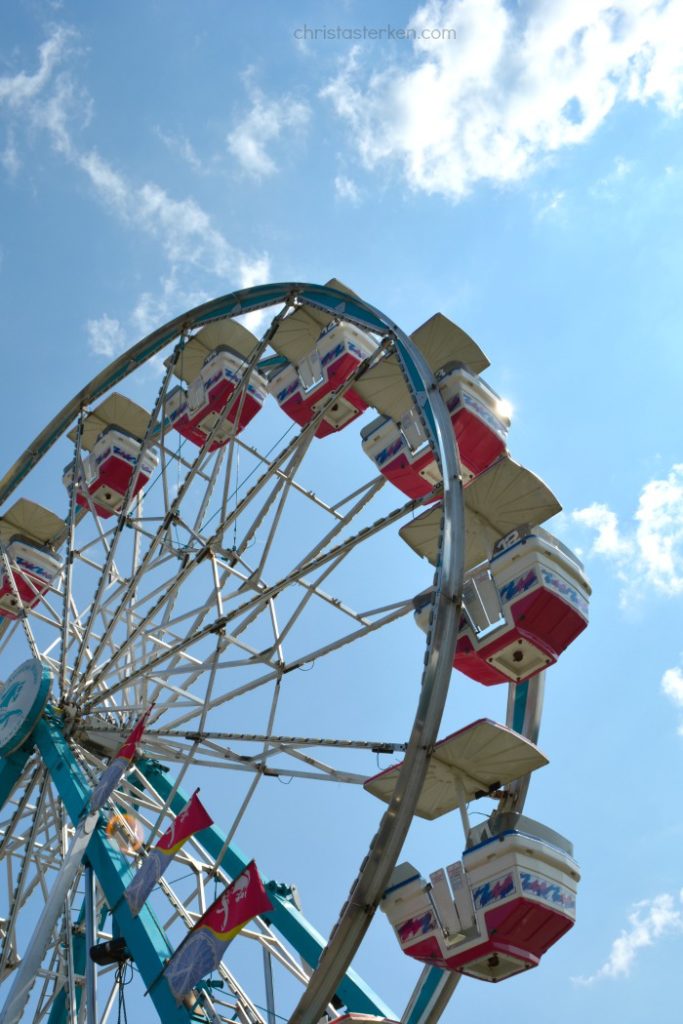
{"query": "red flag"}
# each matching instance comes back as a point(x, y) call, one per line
point(192, 818)
point(129, 748)
point(243, 900)
point(111, 776)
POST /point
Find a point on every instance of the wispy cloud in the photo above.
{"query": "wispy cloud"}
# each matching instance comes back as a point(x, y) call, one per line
point(649, 921)
point(651, 548)
point(266, 120)
point(106, 336)
point(608, 186)
point(51, 101)
point(346, 189)
point(672, 685)
point(10, 157)
point(552, 205)
point(518, 84)
point(18, 90)
point(184, 148)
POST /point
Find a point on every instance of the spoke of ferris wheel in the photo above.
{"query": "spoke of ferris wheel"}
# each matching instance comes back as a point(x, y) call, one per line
point(54, 975)
point(175, 458)
point(313, 590)
point(210, 754)
point(101, 534)
point(371, 488)
point(210, 487)
point(304, 491)
point(268, 677)
point(227, 520)
point(17, 897)
point(293, 576)
point(135, 555)
point(129, 491)
point(202, 720)
point(36, 771)
point(263, 679)
point(104, 611)
point(244, 578)
point(283, 486)
point(233, 454)
point(176, 503)
point(374, 746)
point(68, 561)
point(9, 576)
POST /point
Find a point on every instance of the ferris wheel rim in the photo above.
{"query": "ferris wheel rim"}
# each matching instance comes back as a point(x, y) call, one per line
point(448, 583)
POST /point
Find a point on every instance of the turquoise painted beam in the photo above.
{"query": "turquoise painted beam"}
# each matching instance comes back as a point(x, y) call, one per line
point(11, 768)
point(144, 935)
point(58, 1011)
point(285, 918)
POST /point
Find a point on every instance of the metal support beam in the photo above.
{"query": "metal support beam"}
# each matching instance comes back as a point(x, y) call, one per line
point(90, 940)
point(145, 937)
point(33, 956)
point(284, 917)
point(430, 996)
point(10, 771)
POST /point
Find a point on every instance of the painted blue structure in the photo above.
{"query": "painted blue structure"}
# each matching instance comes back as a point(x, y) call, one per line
point(145, 937)
point(285, 918)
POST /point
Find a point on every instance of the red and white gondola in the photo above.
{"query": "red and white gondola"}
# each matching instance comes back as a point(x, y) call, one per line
point(112, 436)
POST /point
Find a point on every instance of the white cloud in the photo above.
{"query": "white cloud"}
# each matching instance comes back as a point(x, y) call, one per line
point(608, 541)
point(17, 90)
point(552, 205)
point(265, 122)
point(10, 157)
point(652, 549)
point(179, 144)
point(347, 189)
point(106, 336)
point(52, 102)
point(518, 84)
point(660, 530)
point(607, 186)
point(672, 685)
point(650, 920)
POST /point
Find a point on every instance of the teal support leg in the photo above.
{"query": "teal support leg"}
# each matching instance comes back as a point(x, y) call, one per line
point(285, 918)
point(58, 1011)
point(10, 771)
point(145, 938)
point(430, 996)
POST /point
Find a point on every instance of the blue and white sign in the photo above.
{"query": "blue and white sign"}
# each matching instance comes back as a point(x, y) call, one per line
point(22, 699)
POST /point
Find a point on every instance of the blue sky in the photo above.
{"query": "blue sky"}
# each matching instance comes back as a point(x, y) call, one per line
point(523, 178)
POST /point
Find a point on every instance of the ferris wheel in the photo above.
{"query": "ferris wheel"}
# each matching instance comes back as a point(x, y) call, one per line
point(231, 563)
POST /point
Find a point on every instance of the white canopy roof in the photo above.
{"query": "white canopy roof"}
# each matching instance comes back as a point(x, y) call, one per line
point(384, 387)
point(441, 342)
point(30, 520)
point(224, 332)
point(114, 411)
point(297, 334)
point(497, 501)
point(476, 759)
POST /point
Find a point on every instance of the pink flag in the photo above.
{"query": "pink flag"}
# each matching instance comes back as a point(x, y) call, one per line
point(111, 776)
point(193, 818)
point(201, 952)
